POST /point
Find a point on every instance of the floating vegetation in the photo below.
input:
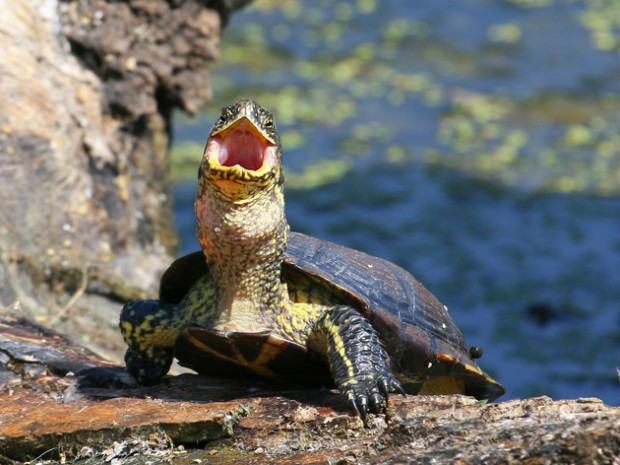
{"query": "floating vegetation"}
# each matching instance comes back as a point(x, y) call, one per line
point(345, 80)
point(317, 174)
point(508, 33)
point(602, 18)
point(531, 3)
point(497, 138)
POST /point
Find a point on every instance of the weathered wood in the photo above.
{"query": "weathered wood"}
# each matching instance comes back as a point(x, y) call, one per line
point(47, 409)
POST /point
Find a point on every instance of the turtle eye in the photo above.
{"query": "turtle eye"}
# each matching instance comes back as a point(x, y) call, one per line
point(268, 122)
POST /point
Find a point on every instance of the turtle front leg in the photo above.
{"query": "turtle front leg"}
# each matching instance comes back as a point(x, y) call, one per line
point(359, 363)
point(148, 330)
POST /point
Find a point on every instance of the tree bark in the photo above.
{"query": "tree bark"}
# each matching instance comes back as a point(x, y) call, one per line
point(87, 92)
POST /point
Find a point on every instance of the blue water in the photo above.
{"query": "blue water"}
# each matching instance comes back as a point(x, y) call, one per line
point(507, 223)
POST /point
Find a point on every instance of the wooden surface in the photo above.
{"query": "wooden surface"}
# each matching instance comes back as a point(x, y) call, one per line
point(47, 408)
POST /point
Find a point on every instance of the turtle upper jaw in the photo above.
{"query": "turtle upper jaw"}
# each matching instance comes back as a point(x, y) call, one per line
point(239, 161)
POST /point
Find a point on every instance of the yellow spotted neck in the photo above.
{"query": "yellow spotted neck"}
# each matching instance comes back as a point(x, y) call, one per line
point(243, 243)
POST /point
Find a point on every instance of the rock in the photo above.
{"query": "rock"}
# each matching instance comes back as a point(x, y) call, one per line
point(48, 410)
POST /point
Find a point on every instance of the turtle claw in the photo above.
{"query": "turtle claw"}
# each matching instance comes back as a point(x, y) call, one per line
point(369, 396)
point(390, 384)
point(384, 387)
point(362, 410)
point(359, 402)
point(376, 402)
point(354, 406)
point(396, 386)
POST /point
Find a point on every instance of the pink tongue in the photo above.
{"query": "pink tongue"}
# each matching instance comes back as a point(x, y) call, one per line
point(242, 148)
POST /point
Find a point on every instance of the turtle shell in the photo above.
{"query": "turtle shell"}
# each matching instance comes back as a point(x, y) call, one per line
point(428, 352)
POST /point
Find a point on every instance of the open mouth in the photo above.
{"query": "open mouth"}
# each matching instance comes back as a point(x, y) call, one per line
point(241, 144)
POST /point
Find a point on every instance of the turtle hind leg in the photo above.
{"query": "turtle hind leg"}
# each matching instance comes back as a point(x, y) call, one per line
point(359, 363)
point(149, 330)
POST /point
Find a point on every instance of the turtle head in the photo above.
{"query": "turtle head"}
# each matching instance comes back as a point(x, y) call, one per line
point(240, 203)
point(243, 153)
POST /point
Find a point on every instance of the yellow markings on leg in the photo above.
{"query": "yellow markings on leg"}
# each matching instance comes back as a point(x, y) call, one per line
point(297, 321)
point(333, 333)
point(160, 337)
point(150, 333)
point(126, 329)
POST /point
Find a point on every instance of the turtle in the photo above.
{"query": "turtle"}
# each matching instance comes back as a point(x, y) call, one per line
point(259, 299)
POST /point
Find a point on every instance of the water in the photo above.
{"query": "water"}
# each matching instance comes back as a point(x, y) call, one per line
point(475, 143)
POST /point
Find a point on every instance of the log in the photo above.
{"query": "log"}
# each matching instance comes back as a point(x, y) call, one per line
point(49, 410)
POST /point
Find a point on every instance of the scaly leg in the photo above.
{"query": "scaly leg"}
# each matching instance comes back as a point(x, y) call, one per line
point(359, 363)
